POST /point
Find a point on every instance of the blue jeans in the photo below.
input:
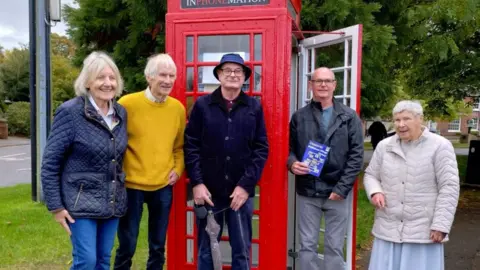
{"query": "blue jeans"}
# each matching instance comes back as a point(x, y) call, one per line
point(92, 243)
point(239, 225)
point(159, 203)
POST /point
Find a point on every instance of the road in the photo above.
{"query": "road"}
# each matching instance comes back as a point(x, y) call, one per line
point(14, 165)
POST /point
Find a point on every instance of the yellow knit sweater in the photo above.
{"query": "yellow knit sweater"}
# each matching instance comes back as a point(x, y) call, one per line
point(155, 141)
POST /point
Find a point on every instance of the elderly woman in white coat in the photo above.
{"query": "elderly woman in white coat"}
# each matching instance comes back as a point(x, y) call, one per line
point(413, 182)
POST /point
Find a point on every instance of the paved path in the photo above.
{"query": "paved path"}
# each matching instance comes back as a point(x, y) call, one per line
point(15, 165)
point(15, 161)
point(14, 141)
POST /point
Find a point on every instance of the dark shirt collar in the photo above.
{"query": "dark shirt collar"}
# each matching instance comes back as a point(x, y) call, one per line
point(316, 105)
point(336, 106)
point(217, 97)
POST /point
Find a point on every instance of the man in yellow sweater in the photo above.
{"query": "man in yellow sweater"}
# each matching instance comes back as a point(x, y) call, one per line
point(153, 161)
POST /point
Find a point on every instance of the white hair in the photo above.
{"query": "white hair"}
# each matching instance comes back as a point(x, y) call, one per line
point(157, 61)
point(92, 66)
point(408, 105)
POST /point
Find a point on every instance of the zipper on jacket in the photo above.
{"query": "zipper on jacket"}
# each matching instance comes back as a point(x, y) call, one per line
point(114, 175)
point(78, 196)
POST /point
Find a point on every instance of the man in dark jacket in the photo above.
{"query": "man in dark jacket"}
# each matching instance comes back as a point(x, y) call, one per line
point(225, 151)
point(328, 122)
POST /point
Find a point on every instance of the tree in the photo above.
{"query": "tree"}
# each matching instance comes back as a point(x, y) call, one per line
point(2, 91)
point(63, 77)
point(452, 108)
point(2, 56)
point(130, 30)
point(429, 47)
point(437, 53)
point(14, 75)
point(62, 46)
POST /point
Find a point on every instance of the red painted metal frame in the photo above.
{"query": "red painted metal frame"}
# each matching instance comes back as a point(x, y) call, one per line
point(276, 27)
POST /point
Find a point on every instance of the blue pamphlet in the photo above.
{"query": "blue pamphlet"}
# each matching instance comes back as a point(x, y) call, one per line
point(315, 156)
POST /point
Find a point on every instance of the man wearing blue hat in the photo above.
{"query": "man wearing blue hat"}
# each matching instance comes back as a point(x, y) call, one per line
point(225, 151)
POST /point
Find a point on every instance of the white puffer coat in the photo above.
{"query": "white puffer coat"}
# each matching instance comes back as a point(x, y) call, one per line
point(421, 189)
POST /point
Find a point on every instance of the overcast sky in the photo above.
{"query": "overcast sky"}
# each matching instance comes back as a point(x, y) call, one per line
point(14, 23)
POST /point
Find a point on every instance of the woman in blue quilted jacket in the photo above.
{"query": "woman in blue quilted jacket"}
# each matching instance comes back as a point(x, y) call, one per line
point(82, 177)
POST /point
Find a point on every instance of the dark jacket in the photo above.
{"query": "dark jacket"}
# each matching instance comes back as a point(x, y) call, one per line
point(345, 158)
point(225, 149)
point(82, 162)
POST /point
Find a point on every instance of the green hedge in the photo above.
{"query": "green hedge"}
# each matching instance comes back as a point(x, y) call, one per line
point(18, 116)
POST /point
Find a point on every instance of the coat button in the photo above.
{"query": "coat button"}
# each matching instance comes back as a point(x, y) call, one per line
point(113, 160)
point(111, 201)
point(230, 120)
point(111, 139)
point(226, 138)
point(228, 158)
point(226, 177)
point(113, 181)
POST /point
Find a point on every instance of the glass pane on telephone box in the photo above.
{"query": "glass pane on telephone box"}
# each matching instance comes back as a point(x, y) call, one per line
point(211, 49)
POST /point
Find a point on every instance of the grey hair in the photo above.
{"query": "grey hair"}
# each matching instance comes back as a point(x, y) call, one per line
point(157, 61)
point(408, 105)
point(92, 66)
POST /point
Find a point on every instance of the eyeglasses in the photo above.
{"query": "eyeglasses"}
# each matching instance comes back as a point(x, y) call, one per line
point(320, 82)
point(236, 72)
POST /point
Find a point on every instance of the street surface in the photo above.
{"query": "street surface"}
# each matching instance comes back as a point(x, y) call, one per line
point(15, 165)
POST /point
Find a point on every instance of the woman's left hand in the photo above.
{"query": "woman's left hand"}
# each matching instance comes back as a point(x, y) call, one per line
point(437, 236)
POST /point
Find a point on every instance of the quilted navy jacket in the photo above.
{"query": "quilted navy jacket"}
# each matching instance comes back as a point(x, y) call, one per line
point(225, 149)
point(82, 162)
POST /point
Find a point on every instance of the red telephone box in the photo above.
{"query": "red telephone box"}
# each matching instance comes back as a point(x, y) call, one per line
point(263, 32)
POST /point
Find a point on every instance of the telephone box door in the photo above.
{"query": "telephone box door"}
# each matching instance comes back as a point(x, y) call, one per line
point(340, 50)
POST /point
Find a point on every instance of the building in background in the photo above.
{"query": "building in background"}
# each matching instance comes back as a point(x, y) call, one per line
point(458, 128)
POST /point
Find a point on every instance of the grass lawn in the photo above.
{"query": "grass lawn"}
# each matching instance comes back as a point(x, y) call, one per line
point(30, 239)
point(367, 146)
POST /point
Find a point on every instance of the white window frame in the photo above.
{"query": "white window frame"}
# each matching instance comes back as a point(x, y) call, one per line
point(459, 125)
point(475, 127)
point(476, 104)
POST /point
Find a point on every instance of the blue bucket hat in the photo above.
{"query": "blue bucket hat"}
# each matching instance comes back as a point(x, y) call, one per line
point(233, 58)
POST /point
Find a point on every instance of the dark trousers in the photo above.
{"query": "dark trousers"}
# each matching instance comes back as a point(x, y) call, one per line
point(239, 226)
point(159, 203)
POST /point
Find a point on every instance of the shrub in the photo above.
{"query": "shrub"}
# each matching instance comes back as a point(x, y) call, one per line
point(3, 109)
point(18, 116)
